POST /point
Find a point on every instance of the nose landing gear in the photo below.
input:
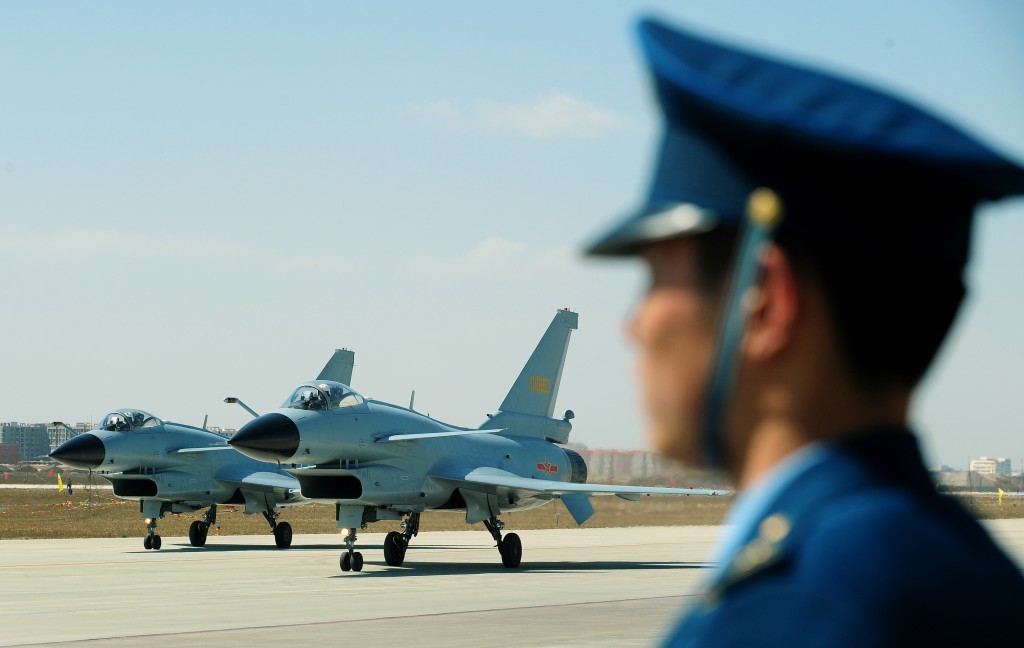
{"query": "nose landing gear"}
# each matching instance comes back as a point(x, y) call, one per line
point(351, 560)
point(152, 540)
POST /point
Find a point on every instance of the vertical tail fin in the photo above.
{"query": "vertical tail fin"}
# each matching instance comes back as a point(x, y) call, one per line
point(535, 390)
point(339, 367)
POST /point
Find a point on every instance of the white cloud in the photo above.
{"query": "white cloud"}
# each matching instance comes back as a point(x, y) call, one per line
point(438, 110)
point(495, 249)
point(553, 115)
point(492, 258)
point(73, 244)
point(212, 247)
point(494, 265)
point(321, 265)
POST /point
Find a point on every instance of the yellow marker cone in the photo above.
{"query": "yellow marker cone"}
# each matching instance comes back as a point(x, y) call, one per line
point(60, 484)
point(1000, 497)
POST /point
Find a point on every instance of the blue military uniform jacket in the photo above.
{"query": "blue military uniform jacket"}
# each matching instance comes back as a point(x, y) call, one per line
point(861, 551)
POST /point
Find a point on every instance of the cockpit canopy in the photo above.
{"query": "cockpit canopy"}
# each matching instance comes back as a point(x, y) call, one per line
point(322, 395)
point(128, 419)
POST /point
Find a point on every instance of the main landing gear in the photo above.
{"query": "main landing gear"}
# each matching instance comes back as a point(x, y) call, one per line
point(396, 544)
point(282, 530)
point(152, 540)
point(198, 530)
point(510, 548)
point(351, 560)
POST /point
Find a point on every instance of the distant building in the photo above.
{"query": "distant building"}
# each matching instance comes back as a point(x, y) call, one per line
point(630, 466)
point(965, 482)
point(1004, 467)
point(8, 453)
point(1000, 467)
point(31, 439)
point(58, 434)
point(618, 465)
point(36, 440)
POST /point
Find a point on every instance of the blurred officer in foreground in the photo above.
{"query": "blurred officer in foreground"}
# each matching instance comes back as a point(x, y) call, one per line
point(806, 238)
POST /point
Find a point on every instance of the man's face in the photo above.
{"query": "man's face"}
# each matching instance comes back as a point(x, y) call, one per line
point(673, 329)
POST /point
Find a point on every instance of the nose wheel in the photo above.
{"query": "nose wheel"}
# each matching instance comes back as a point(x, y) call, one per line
point(152, 540)
point(351, 560)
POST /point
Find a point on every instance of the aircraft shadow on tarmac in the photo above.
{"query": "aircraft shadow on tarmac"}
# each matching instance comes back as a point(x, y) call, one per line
point(412, 568)
point(185, 548)
point(215, 548)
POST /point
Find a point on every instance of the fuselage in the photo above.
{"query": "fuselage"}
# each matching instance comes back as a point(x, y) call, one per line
point(359, 456)
point(165, 461)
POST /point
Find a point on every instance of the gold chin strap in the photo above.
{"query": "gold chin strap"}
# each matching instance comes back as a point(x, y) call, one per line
point(764, 208)
point(764, 213)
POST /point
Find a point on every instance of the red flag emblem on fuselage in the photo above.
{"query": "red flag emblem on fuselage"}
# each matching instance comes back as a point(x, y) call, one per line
point(547, 467)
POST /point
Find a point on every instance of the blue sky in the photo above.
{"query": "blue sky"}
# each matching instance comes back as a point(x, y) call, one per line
point(204, 199)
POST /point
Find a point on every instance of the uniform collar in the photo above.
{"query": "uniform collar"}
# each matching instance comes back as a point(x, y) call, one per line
point(795, 492)
point(754, 502)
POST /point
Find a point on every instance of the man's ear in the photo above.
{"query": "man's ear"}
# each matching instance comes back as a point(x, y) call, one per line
point(774, 307)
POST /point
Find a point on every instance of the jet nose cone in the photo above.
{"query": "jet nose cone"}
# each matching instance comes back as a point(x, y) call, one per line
point(269, 438)
point(82, 451)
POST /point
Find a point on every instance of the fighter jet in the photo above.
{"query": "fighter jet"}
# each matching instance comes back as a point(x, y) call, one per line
point(379, 461)
point(176, 468)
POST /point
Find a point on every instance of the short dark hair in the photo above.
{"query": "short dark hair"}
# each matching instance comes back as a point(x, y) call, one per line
point(891, 310)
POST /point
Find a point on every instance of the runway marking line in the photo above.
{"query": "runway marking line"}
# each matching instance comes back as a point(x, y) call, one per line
point(119, 562)
point(371, 619)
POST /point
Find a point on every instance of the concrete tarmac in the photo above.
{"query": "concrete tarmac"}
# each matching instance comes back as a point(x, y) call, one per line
point(576, 587)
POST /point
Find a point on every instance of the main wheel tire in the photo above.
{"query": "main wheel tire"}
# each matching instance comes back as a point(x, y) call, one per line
point(357, 561)
point(394, 549)
point(346, 562)
point(147, 542)
point(156, 542)
point(283, 535)
point(511, 550)
point(196, 536)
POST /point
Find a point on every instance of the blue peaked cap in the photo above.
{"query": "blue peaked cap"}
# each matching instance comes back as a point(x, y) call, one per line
point(850, 164)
